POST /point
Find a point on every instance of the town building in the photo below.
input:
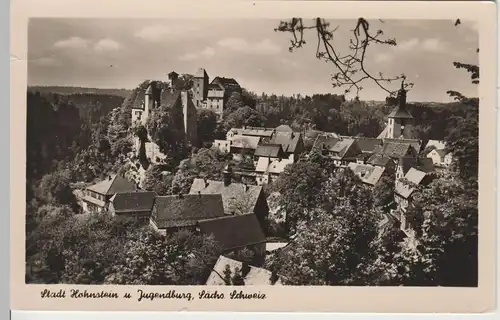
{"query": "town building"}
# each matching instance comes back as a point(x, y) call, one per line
point(440, 157)
point(251, 275)
point(370, 175)
point(178, 102)
point(404, 190)
point(400, 121)
point(96, 198)
point(182, 212)
point(237, 198)
point(235, 233)
point(134, 204)
point(213, 95)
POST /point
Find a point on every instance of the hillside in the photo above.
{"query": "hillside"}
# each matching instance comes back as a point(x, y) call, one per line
point(64, 90)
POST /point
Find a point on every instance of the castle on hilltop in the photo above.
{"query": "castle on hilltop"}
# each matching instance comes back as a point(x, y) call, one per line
point(213, 95)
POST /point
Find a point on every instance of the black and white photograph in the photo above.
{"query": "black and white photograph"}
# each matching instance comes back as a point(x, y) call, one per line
point(280, 152)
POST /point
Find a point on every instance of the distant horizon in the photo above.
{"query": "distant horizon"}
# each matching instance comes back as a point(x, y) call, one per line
point(113, 53)
point(258, 94)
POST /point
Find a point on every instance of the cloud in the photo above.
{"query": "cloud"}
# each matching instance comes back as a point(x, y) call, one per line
point(158, 32)
point(408, 44)
point(208, 52)
point(428, 44)
point(434, 45)
point(264, 47)
point(46, 62)
point(104, 45)
point(382, 57)
point(72, 43)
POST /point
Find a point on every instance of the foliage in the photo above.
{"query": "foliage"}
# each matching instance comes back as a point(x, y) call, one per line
point(98, 249)
point(157, 180)
point(207, 124)
point(244, 116)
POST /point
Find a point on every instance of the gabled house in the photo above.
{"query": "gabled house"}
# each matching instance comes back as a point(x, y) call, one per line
point(291, 143)
point(265, 133)
point(235, 233)
point(440, 157)
point(96, 198)
point(243, 146)
point(270, 151)
point(344, 151)
point(269, 169)
point(368, 174)
point(135, 204)
point(250, 275)
point(404, 190)
point(379, 160)
point(182, 212)
point(237, 198)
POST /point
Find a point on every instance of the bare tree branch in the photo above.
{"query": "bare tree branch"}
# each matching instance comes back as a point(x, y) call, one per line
point(350, 68)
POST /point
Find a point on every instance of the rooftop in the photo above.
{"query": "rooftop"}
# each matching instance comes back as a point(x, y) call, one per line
point(113, 184)
point(133, 201)
point(188, 209)
point(237, 198)
point(255, 276)
point(234, 232)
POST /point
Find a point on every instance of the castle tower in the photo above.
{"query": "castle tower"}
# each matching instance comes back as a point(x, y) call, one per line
point(172, 79)
point(148, 102)
point(200, 87)
point(400, 119)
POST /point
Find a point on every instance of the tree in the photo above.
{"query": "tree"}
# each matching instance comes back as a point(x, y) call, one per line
point(55, 188)
point(350, 69)
point(156, 180)
point(300, 188)
point(445, 217)
point(234, 102)
point(244, 116)
point(331, 250)
point(207, 125)
point(383, 192)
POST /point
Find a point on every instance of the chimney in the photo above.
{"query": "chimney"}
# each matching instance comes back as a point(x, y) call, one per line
point(245, 187)
point(227, 175)
point(206, 182)
point(199, 194)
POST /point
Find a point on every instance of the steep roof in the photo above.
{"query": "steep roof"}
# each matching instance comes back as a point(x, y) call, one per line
point(133, 201)
point(288, 140)
point(395, 149)
point(415, 143)
point(187, 210)
point(325, 141)
point(413, 175)
point(227, 83)
point(255, 276)
point(246, 142)
point(425, 165)
point(378, 160)
point(368, 145)
point(172, 73)
point(138, 102)
point(367, 173)
point(400, 112)
point(234, 232)
point(284, 128)
point(237, 198)
point(114, 184)
point(169, 99)
point(268, 150)
point(440, 145)
point(278, 166)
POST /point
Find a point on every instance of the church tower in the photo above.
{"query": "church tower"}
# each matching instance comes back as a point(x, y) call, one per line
point(400, 119)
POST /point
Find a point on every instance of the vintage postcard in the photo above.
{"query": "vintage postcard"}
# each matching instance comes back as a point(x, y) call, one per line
point(290, 156)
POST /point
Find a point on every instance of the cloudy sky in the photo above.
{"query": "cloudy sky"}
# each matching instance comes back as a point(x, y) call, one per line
point(122, 53)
